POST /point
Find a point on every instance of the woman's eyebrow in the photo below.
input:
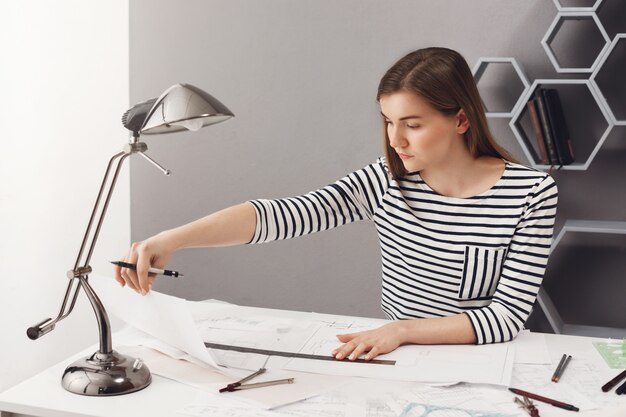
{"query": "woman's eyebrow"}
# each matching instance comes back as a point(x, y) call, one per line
point(403, 118)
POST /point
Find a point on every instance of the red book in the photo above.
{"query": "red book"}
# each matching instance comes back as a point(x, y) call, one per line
point(536, 124)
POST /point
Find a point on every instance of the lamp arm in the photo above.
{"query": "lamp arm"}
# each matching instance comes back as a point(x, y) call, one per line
point(71, 292)
point(95, 208)
point(124, 155)
point(80, 273)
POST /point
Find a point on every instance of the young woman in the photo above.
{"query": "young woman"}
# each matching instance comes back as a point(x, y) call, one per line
point(464, 231)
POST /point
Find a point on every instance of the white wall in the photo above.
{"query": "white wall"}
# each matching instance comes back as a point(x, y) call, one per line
point(64, 83)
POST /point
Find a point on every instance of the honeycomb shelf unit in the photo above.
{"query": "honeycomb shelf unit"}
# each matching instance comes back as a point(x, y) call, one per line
point(590, 238)
point(576, 42)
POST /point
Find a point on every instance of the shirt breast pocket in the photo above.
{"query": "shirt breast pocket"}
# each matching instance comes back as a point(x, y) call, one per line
point(481, 272)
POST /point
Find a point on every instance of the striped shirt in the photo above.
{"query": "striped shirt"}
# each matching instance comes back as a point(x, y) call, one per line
point(484, 255)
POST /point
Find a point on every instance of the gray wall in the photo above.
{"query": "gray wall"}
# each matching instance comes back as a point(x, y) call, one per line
point(301, 77)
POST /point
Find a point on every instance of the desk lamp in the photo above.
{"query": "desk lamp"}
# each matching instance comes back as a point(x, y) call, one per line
point(107, 372)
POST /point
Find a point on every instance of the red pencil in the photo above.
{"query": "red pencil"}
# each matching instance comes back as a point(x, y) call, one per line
point(550, 401)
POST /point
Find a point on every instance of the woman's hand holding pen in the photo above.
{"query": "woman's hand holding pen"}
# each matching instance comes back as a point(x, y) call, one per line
point(231, 226)
point(375, 342)
point(152, 252)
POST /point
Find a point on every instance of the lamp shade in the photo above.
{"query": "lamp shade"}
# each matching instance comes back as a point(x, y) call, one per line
point(184, 106)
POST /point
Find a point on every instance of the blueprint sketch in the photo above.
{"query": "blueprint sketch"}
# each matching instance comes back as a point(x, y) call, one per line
point(426, 410)
point(579, 385)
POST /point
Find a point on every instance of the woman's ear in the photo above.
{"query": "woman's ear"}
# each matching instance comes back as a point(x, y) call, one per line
point(462, 122)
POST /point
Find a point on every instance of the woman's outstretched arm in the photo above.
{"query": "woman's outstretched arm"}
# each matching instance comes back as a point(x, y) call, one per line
point(231, 226)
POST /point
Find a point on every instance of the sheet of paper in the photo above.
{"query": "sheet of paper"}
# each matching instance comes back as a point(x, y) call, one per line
point(579, 384)
point(304, 386)
point(209, 406)
point(130, 336)
point(165, 317)
point(357, 398)
point(178, 369)
point(259, 328)
point(315, 334)
point(438, 364)
point(468, 400)
point(210, 380)
point(531, 348)
point(375, 398)
point(332, 404)
point(443, 363)
point(537, 379)
point(254, 328)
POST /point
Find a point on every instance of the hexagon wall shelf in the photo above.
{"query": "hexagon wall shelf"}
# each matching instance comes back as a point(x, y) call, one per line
point(558, 320)
point(525, 138)
point(613, 96)
point(555, 28)
point(577, 6)
point(515, 70)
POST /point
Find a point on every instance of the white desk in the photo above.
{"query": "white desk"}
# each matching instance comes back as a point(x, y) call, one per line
point(42, 395)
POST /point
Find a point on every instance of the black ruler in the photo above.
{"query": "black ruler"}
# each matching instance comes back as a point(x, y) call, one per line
point(291, 354)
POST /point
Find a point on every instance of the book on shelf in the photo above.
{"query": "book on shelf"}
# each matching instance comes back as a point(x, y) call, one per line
point(542, 153)
point(542, 112)
point(554, 146)
point(558, 125)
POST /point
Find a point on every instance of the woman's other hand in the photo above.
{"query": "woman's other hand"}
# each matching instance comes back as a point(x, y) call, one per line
point(375, 342)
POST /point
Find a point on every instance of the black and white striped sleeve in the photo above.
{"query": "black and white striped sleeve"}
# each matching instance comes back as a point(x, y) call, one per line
point(353, 198)
point(522, 271)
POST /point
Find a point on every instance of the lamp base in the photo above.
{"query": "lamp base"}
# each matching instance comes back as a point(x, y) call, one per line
point(106, 374)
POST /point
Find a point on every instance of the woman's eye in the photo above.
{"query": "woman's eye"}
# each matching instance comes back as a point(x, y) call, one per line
point(413, 126)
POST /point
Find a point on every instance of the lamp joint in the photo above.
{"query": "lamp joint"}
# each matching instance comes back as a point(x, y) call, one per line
point(135, 147)
point(75, 273)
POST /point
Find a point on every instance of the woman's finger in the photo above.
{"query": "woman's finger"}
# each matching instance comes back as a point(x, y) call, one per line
point(361, 348)
point(131, 273)
point(374, 351)
point(346, 349)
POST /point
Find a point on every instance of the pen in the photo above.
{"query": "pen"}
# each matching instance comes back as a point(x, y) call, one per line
point(562, 369)
point(558, 367)
point(606, 387)
point(158, 271)
point(621, 389)
point(550, 401)
point(258, 385)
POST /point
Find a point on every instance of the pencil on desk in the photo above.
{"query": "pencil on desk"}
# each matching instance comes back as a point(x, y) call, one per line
point(562, 369)
point(607, 387)
point(558, 368)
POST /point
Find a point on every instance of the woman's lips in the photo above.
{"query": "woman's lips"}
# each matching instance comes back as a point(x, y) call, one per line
point(405, 156)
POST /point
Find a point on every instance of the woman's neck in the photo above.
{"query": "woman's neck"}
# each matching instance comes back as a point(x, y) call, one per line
point(465, 176)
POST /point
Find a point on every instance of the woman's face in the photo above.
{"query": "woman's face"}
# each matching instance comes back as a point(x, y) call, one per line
point(420, 135)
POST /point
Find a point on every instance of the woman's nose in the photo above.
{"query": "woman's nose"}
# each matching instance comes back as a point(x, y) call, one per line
point(396, 138)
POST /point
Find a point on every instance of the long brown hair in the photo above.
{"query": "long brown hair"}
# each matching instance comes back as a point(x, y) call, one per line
point(442, 77)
